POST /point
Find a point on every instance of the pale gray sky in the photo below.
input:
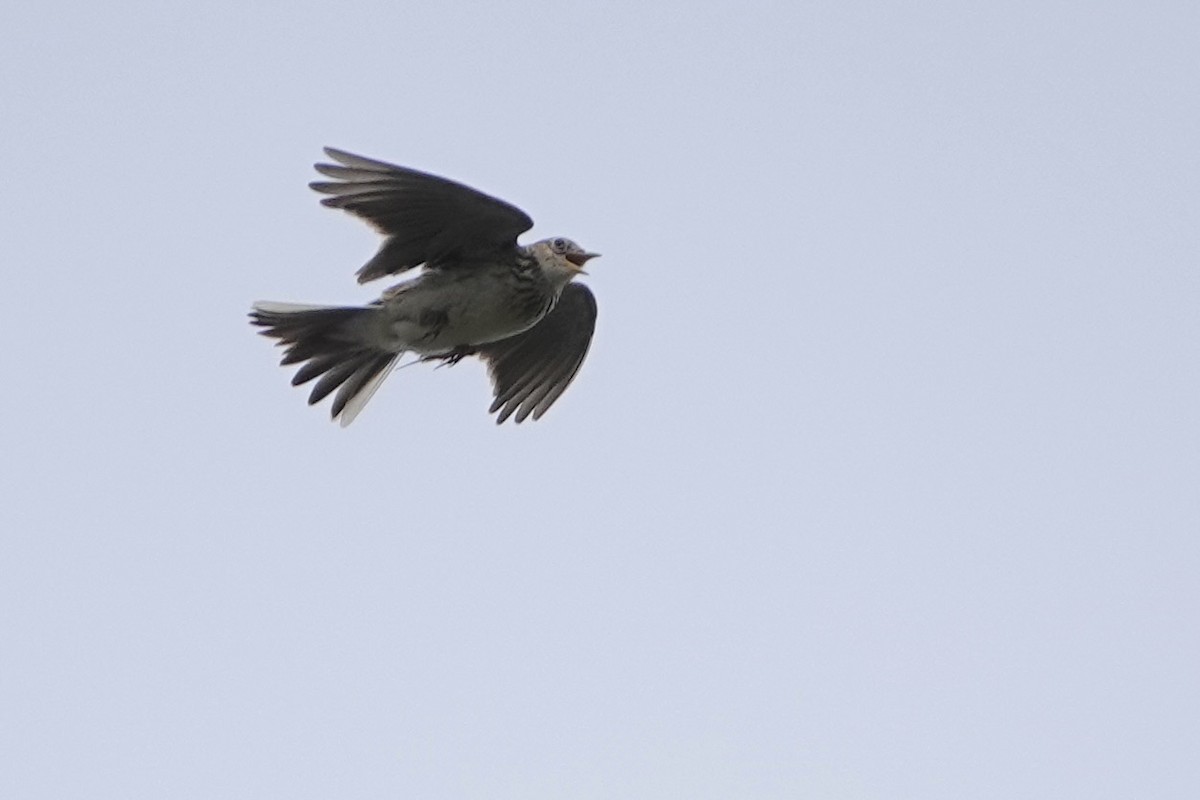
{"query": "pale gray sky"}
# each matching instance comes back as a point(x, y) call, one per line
point(881, 480)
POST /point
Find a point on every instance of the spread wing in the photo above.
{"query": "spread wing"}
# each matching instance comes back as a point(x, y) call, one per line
point(426, 219)
point(530, 370)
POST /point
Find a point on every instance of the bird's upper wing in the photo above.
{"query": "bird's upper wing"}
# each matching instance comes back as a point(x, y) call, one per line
point(530, 370)
point(427, 219)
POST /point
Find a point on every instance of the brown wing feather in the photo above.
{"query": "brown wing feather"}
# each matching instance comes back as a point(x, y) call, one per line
point(427, 219)
point(530, 370)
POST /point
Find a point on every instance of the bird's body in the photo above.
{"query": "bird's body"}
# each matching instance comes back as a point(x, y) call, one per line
point(442, 311)
point(479, 293)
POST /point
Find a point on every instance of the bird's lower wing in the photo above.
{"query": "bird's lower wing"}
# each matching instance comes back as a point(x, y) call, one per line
point(532, 369)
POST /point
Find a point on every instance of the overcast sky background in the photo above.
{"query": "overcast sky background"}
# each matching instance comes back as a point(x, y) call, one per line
point(882, 479)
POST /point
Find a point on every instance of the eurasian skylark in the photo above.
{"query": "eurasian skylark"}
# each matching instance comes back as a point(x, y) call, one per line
point(478, 293)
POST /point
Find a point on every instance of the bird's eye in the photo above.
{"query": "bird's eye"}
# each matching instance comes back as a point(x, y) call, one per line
point(560, 245)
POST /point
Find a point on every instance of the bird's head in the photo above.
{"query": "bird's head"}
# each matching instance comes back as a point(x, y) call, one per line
point(561, 257)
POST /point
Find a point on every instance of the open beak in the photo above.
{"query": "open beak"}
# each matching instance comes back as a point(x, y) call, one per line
point(579, 259)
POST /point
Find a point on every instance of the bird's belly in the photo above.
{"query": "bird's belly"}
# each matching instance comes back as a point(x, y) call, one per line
point(442, 322)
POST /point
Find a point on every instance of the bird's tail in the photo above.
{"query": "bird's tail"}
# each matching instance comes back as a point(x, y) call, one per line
point(336, 345)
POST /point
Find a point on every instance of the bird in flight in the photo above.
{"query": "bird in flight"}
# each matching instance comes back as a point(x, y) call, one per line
point(479, 293)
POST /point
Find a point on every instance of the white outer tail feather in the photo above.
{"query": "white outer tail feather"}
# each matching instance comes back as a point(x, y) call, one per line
point(272, 307)
point(355, 404)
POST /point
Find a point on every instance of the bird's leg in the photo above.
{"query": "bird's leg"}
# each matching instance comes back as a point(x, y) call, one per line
point(434, 320)
point(453, 357)
point(458, 354)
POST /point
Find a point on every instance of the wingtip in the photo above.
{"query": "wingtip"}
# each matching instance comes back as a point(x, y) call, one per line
point(342, 158)
point(348, 159)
